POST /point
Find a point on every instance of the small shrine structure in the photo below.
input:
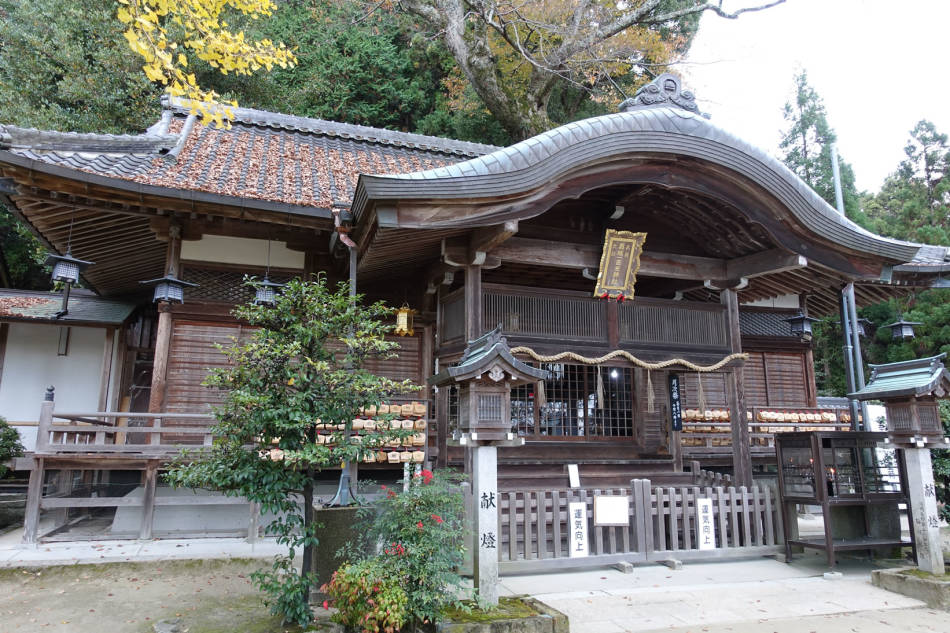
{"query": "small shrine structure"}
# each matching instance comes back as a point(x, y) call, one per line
point(909, 391)
point(485, 376)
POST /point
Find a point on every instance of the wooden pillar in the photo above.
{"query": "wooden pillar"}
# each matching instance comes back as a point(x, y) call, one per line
point(473, 303)
point(149, 482)
point(613, 325)
point(253, 521)
point(106, 377)
point(735, 391)
point(163, 335)
point(34, 494)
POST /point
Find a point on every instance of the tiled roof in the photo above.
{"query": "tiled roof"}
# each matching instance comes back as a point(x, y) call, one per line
point(23, 305)
point(264, 155)
point(765, 323)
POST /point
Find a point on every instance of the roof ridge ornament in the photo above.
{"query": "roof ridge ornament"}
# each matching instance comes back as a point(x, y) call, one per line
point(664, 91)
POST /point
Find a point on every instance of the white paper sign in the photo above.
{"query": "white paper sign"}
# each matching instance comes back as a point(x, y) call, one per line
point(705, 524)
point(577, 522)
point(573, 476)
point(611, 510)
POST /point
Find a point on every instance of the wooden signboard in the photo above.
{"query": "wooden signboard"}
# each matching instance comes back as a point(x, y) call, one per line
point(611, 510)
point(619, 264)
point(577, 513)
point(706, 525)
point(676, 403)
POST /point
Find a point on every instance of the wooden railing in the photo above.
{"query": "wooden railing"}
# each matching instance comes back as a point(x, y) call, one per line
point(535, 526)
point(655, 322)
point(120, 432)
point(561, 316)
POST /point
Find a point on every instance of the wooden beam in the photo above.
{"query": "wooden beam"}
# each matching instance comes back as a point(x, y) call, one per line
point(764, 262)
point(456, 252)
point(519, 250)
point(484, 239)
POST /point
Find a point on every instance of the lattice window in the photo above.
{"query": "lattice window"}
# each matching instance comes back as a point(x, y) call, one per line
point(222, 285)
point(898, 417)
point(453, 409)
point(573, 407)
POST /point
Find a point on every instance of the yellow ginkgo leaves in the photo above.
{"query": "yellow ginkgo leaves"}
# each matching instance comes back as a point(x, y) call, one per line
point(203, 34)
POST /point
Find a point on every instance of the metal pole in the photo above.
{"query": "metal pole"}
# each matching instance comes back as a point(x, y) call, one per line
point(858, 357)
point(836, 175)
point(848, 355)
point(344, 492)
point(853, 361)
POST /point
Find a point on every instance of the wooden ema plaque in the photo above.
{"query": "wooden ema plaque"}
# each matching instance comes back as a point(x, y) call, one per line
point(619, 264)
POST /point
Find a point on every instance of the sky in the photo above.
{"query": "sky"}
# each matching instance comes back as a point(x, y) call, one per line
point(880, 66)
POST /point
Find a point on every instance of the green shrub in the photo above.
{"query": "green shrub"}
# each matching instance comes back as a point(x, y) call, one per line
point(10, 446)
point(368, 597)
point(419, 536)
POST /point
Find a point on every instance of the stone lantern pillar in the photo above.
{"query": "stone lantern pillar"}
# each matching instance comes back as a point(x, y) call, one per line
point(910, 391)
point(485, 376)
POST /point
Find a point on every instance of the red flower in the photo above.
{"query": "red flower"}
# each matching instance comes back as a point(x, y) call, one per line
point(419, 525)
point(437, 518)
point(426, 476)
point(391, 494)
point(326, 604)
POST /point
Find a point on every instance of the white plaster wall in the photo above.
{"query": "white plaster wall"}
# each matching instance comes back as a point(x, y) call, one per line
point(31, 364)
point(240, 250)
point(785, 301)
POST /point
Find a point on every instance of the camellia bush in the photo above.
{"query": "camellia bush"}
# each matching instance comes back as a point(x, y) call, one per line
point(413, 578)
point(302, 366)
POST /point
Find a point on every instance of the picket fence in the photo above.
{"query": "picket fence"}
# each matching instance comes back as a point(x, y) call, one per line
point(663, 525)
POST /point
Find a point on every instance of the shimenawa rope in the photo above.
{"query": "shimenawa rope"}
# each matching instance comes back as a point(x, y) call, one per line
point(619, 353)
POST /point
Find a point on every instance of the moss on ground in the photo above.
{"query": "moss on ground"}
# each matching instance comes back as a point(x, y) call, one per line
point(507, 609)
point(245, 614)
point(919, 573)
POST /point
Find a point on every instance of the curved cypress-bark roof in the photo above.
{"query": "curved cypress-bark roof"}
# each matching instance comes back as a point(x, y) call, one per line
point(645, 132)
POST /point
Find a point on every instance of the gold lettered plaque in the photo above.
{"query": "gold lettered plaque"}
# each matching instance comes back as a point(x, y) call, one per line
point(619, 264)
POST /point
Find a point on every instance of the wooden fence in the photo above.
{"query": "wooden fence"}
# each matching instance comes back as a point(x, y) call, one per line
point(663, 524)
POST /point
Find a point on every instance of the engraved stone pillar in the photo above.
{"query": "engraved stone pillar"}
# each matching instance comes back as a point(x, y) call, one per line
point(923, 506)
point(485, 533)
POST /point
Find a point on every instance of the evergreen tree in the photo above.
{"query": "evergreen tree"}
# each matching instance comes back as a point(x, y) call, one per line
point(806, 147)
point(914, 203)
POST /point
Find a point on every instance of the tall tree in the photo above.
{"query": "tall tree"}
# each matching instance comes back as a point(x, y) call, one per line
point(806, 146)
point(64, 66)
point(914, 203)
point(519, 55)
point(374, 68)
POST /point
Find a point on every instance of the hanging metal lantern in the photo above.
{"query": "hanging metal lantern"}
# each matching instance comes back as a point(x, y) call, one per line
point(800, 325)
point(169, 288)
point(265, 292)
point(901, 329)
point(404, 321)
point(864, 327)
point(66, 268)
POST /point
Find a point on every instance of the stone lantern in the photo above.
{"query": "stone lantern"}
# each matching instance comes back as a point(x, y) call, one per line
point(485, 376)
point(910, 390)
